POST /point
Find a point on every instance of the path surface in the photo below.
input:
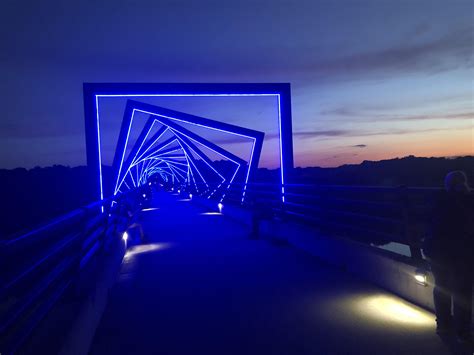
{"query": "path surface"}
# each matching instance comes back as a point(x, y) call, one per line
point(201, 287)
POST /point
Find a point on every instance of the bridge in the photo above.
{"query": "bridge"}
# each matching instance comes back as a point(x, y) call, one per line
point(264, 277)
point(188, 251)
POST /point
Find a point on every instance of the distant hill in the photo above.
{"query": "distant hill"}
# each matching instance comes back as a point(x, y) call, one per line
point(33, 196)
point(409, 171)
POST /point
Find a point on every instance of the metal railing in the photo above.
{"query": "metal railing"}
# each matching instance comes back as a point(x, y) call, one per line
point(373, 215)
point(39, 266)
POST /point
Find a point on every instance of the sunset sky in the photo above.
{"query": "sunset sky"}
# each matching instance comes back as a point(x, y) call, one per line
point(370, 80)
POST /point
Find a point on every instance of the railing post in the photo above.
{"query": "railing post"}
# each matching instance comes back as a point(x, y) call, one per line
point(409, 225)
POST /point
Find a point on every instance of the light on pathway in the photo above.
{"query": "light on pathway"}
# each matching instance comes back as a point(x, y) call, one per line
point(125, 236)
point(396, 310)
point(142, 249)
point(191, 196)
point(220, 206)
point(144, 195)
point(420, 277)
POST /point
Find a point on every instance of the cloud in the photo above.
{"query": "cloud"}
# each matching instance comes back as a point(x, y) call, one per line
point(359, 146)
point(368, 133)
point(366, 115)
point(451, 51)
point(325, 133)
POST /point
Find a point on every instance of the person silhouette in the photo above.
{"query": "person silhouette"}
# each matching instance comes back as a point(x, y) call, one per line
point(451, 253)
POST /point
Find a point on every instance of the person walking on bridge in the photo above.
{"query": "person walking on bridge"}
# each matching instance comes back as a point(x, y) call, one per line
point(451, 252)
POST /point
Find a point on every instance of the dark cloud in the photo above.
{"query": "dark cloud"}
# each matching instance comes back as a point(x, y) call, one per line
point(369, 116)
point(451, 51)
point(313, 134)
point(325, 133)
point(359, 146)
point(368, 133)
point(417, 103)
point(420, 30)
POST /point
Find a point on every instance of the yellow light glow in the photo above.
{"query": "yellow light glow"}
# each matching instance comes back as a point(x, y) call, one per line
point(394, 309)
point(420, 278)
point(141, 249)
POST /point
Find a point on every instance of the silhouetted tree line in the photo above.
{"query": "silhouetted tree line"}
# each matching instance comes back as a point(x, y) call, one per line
point(31, 197)
point(408, 171)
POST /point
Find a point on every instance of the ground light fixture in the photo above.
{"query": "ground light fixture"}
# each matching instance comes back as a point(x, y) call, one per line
point(220, 206)
point(190, 196)
point(125, 236)
point(420, 277)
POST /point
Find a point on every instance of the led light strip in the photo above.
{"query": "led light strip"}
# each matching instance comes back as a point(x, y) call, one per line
point(189, 95)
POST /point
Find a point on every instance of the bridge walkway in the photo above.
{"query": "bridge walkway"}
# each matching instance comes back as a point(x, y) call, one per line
point(200, 286)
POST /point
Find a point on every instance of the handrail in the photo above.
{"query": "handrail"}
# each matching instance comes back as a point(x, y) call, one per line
point(395, 214)
point(45, 260)
point(57, 222)
point(39, 265)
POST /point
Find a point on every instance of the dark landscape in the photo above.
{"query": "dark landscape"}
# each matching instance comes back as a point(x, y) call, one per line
point(34, 196)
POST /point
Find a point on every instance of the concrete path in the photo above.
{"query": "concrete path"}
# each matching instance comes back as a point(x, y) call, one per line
point(201, 287)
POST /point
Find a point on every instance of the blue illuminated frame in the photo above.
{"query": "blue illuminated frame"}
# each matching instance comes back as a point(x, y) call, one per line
point(94, 91)
point(168, 118)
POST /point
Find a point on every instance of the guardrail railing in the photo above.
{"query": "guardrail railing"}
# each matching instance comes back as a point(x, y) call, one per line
point(372, 215)
point(37, 267)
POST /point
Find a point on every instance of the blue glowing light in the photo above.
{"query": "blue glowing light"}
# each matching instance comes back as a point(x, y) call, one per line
point(182, 134)
point(93, 93)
